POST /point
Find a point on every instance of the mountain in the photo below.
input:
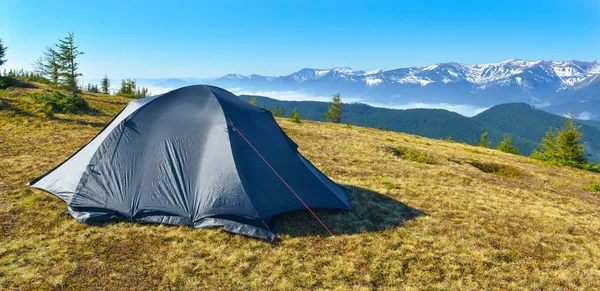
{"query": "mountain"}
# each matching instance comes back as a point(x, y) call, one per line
point(543, 83)
point(526, 124)
point(172, 83)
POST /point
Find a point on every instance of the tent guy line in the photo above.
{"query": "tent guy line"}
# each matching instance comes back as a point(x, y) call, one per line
point(364, 269)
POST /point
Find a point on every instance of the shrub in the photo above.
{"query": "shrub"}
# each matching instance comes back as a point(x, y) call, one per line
point(6, 82)
point(498, 169)
point(410, 155)
point(593, 187)
point(59, 103)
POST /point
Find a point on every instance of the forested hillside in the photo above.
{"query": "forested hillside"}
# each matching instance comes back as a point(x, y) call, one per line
point(523, 120)
point(525, 124)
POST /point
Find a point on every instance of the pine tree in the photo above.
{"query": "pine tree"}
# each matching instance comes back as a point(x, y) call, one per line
point(335, 111)
point(49, 65)
point(277, 111)
point(568, 140)
point(563, 146)
point(105, 85)
point(295, 117)
point(68, 53)
point(142, 93)
point(128, 88)
point(483, 140)
point(252, 100)
point(506, 145)
point(2, 54)
point(92, 88)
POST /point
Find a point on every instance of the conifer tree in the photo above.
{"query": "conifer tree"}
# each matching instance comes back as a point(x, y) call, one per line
point(105, 85)
point(335, 112)
point(128, 88)
point(67, 55)
point(252, 100)
point(2, 54)
point(92, 88)
point(506, 145)
point(277, 111)
point(483, 140)
point(295, 116)
point(142, 93)
point(49, 65)
point(563, 146)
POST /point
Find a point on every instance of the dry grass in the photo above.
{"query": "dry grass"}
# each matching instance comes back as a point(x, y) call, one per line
point(461, 217)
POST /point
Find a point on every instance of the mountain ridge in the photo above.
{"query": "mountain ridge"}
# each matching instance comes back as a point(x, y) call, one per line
point(571, 73)
point(541, 83)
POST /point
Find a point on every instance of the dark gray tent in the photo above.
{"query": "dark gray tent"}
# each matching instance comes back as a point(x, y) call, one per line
point(195, 156)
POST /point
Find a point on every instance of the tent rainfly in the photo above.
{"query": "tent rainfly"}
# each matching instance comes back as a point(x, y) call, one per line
point(196, 156)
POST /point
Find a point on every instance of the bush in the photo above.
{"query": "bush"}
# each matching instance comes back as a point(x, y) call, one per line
point(498, 169)
point(6, 82)
point(59, 103)
point(410, 155)
point(593, 187)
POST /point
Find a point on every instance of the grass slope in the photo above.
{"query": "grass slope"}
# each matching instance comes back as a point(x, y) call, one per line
point(429, 215)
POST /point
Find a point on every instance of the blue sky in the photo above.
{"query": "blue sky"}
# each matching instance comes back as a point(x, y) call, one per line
point(145, 39)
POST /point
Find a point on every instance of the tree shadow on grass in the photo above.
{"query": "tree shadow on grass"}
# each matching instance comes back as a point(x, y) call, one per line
point(8, 105)
point(372, 212)
point(80, 122)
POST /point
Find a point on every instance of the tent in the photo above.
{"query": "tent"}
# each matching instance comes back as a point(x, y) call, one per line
point(196, 156)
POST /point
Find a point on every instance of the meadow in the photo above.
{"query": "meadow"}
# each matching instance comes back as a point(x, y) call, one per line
point(429, 215)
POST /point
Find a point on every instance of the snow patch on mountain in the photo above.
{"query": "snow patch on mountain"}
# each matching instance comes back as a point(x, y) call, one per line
point(373, 81)
point(374, 72)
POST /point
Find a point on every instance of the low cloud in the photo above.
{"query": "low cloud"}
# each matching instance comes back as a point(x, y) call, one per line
point(462, 109)
point(290, 95)
point(586, 115)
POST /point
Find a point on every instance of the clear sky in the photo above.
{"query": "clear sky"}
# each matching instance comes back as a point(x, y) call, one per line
point(178, 38)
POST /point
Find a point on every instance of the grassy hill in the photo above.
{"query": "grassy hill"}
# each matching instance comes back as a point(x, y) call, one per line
point(525, 124)
point(429, 214)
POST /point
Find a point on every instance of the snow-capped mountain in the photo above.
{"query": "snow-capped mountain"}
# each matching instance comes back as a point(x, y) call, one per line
point(542, 83)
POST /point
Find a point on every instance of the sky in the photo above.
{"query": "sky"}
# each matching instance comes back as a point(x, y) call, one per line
point(206, 39)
